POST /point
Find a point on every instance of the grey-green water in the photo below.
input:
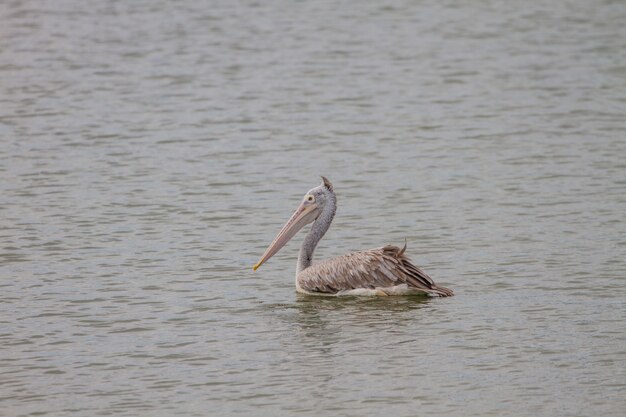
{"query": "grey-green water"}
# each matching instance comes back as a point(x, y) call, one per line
point(150, 150)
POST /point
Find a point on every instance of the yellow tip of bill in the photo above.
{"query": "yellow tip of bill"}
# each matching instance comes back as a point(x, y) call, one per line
point(255, 267)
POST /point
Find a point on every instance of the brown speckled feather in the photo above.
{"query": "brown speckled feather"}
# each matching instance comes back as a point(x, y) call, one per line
point(378, 268)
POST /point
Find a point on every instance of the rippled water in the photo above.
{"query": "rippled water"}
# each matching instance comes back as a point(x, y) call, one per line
point(151, 150)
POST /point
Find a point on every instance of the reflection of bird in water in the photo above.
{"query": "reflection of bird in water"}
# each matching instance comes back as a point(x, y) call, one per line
point(380, 271)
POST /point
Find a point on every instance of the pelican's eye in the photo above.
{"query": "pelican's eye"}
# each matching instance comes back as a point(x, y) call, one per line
point(310, 198)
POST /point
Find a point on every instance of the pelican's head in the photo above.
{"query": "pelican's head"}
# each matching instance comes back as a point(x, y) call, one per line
point(312, 205)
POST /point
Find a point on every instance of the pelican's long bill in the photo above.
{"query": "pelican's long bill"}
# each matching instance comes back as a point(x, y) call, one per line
point(303, 215)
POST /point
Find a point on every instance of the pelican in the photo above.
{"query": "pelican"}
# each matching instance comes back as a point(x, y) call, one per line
point(379, 272)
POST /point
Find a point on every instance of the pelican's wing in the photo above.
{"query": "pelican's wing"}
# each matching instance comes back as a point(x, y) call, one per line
point(378, 268)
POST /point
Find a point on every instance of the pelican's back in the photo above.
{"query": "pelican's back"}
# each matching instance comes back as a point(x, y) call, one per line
point(382, 271)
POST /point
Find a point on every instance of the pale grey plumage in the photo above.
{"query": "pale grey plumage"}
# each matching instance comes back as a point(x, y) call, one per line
point(380, 271)
point(376, 269)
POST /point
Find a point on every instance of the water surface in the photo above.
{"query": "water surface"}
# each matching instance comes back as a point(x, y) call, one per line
point(151, 150)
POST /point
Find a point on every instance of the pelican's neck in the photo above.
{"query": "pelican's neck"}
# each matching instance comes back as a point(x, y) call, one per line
point(319, 228)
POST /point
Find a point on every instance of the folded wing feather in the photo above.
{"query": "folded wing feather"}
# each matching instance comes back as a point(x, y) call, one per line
point(378, 268)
